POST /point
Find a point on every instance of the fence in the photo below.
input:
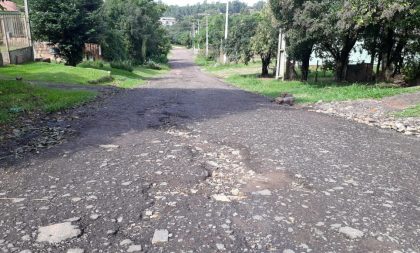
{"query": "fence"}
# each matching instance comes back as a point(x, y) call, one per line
point(15, 43)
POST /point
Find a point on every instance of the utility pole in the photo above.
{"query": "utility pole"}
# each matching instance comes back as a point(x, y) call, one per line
point(226, 31)
point(28, 25)
point(193, 36)
point(281, 56)
point(207, 36)
point(198, 32)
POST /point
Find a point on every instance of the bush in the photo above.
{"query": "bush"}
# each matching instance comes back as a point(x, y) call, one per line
point(153, 65)
point(124, 65)
point(92, 64)
point(411, 72)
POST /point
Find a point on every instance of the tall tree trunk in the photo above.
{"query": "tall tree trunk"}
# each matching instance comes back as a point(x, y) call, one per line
point(265, 63)
point(290, 70)
point(305, 68)
point(341, 56)
point(305, 59)
point(340, 69)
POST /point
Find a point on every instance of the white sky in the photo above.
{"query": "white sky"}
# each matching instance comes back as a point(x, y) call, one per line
point(190, 2)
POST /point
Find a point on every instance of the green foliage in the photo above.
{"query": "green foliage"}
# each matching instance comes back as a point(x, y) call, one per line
point(67, 23)
point(409, 112)
point(50, 72)
point(17, 97)
point(124, 65)
point(153, 65)
point(411, 71)
point(309, 92)
point(179, 12)
point(92, 64)
point(238, 45)
point(264, 43)
point(133, 31)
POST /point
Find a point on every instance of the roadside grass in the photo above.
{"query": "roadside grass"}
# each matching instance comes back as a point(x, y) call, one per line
point(51, 72)
point(18, 97)
point(311, 92)
point(247, 77)
point(127, 79)
point(82, 74)
point(409, 112)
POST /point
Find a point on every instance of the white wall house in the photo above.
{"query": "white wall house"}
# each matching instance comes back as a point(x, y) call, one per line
point(168, 21)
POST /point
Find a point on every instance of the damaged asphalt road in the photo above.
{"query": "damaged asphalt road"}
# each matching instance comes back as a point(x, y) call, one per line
point(190, 164)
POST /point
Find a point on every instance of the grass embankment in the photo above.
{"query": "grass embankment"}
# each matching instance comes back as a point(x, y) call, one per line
point(124, 78)
point(51, 72)
point(18, 97)
point(409, 112)
point(82, 74)
point(246, 77)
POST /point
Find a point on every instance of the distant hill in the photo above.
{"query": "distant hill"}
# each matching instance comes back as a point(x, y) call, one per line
point(179, 12)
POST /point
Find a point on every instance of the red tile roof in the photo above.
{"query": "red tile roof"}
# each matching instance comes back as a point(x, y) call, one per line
point(9, 6)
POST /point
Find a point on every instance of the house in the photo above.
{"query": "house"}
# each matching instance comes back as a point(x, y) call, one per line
point(168, 21)
point(8, 6)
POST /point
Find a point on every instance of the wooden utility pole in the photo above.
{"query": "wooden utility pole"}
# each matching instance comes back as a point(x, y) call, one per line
point(28, 24)
point(226, 31)
point(198, 32)
point(193, 36)
point(6, 39)
point(207, 36)
point(281, 57)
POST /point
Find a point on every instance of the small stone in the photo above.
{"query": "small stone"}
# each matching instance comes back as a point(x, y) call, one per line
point(160, 236)
point(76, 199)
point(265, 192)
point(126, 183)
point(58, 232)
point(94, 216)
point(221, 198)
point(75, 250)
point(235, 192)
point(288, 251)
point(134, 248)
point(126, 242)
point(109, 146)
point(220, 246)
point(25, 251)
point(26, 238)
point(351, 233)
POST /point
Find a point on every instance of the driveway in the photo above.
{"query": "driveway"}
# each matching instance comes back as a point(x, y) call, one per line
point(189, 164)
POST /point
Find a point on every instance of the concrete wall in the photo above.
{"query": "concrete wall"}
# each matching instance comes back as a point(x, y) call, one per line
point(17, 56)
point(21, 55)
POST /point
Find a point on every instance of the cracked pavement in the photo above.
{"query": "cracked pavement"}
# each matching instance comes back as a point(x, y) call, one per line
point(189, 164)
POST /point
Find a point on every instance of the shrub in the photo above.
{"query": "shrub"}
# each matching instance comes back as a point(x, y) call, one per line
point(153, 65)
point(411, 72)
point(92, 64)
point(124, 65)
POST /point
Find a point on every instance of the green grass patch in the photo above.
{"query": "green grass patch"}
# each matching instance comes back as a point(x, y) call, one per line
point(85, 73)
point(247, 77)
point(17, 97)
point(51, 72)
point(128, 79)
point(409, 112)
point(311, 92)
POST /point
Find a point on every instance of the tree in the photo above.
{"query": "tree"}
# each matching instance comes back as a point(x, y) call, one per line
point(136, 22)
point(299, 41)
point(264, 43)
point(238, 45)
point(69, 24)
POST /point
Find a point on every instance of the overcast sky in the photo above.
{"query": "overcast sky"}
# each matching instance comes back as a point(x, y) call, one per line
point(185, 2)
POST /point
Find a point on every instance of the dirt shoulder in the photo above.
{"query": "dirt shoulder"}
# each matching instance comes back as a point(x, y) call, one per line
point(380, 113)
